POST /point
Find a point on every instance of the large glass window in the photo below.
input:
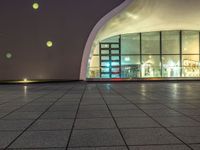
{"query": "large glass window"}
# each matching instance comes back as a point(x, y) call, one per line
point(171, 65)
point(111, 39)
point(190, 65)
point(130, 44)
point(190, 42)
point(147, 61)
point(151, 43)
point(151, 66)
point(130, 60)
point(171, 42)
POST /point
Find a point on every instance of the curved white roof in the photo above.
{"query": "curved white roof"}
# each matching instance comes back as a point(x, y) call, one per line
point(153, 15)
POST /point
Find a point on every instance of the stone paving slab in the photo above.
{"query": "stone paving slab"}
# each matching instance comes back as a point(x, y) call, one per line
point(100, 116)
point(136, 122)
point(7, 137)
point(160, 147)
point(187, 134)
point(196, 146)
point(100, 148)
point(14, 125)
point(53, 124)
point(148, 136)
point(177, 121)
point(42, 139)
point(23, 115)
point(93, 138)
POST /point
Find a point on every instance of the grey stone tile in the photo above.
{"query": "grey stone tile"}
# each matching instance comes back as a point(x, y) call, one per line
point(93, 108)
point(92, 102)
point(177, 121)
point(63, 108)
point(59, 115)
point(160, 147)
point(49, 148)
point(56, 124)
point(115, 101)
point(2, 114)
point(191, 112)
point(67, 103)
point(149, 96)
point(14, 125)
point(65, 99)
point(128, 113)
point(180, 106)
point(40, 103)
point(162, 112)
point(93, 114)
point(100, 148)
point(94, 138)
point(42, 139)
point(196, 118)
point(33, 108)
point(137, 122)
point(123, 107)
point(7, 109)
point(148, 136)
point(152, 106)
point(97, 123)
point(6, 138)
point(196, 146)
point(187, 134)
point(23, 115)
point(74, 96)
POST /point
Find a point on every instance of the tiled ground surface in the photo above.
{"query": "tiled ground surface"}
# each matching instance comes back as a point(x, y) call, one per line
point(101, 116)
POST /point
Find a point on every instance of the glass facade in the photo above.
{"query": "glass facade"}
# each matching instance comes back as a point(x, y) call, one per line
point(147, 55)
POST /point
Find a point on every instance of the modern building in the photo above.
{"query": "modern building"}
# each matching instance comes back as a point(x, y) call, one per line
point(112, 40)
point(149, 39)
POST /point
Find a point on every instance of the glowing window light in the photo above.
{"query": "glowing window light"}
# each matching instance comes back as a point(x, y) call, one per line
point(35, 6)
point(107, 64)
point(49, 43)
point(8, 55)
point(25, 80)
point(127, 58)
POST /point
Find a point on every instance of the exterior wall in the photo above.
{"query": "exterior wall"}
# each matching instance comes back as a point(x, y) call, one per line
point(24, 32)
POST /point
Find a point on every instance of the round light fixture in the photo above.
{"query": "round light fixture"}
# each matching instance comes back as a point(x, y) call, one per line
point(49, 43)
point(35, 6)
point(8, 55)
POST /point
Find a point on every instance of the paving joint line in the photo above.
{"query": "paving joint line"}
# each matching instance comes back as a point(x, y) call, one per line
point(153, 119)
point(75, 118)
point(100, 92)
point(36, 119)
point(25, 105)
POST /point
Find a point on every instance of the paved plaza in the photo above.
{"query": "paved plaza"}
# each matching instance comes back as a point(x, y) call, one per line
point(101, 116)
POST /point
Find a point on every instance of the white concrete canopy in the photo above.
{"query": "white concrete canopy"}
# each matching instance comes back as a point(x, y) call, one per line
point(154, 15)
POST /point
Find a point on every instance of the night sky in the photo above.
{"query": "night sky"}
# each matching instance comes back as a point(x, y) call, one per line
point(25, 31)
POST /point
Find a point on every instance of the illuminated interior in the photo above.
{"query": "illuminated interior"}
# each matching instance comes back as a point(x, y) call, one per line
point(139, 43)
point(147, 55)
